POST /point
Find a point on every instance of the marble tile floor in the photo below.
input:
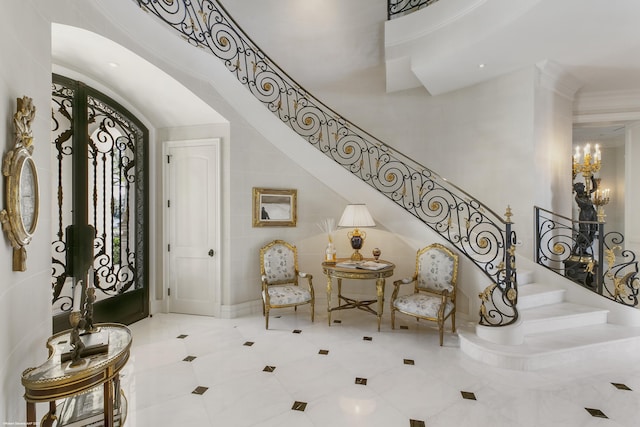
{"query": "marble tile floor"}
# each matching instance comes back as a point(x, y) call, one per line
point(202, 371)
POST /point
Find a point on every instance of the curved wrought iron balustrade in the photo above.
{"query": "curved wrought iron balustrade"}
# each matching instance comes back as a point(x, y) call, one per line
point(604, 267)
point(480, 234)
point(398, 8)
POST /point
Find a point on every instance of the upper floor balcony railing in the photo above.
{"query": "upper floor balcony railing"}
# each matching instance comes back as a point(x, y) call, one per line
point(398, 8)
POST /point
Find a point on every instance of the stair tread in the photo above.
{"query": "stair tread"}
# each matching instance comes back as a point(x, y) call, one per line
point(562, 340)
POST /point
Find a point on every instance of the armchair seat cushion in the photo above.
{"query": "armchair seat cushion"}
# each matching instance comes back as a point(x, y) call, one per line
point(287, 294)
point(422, 305)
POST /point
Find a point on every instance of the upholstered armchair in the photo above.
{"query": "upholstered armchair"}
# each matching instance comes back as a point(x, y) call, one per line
point(280, 275)
point(434, 288)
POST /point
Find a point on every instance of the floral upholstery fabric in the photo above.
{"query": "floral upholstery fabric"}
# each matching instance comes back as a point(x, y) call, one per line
point(279, 264)
point(288, 294)
point(422, 305)
point(280, 276)
point(435, 271)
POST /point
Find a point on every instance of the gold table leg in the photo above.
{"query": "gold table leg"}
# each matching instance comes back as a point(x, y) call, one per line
point(108, 403)
point(329, 298)
point(380, 282)
point(31, 414)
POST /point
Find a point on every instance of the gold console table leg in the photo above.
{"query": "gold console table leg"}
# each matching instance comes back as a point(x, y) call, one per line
point(380, 282)
point(31, 414)
point(329, 299)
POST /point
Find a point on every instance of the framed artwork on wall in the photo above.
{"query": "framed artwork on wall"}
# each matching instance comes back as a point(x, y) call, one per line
point(274, 207)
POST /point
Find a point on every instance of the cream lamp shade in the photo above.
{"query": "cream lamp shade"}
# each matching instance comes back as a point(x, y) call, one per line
point(356, 216)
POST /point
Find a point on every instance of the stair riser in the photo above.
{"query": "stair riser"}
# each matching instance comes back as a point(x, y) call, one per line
point(538, 300)
point(558, 323)
point(607, 351)
point(525, 277)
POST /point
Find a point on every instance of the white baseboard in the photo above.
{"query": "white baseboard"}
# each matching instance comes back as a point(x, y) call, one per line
point(240, 310)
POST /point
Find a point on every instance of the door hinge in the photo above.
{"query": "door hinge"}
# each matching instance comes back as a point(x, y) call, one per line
point(169, 292)
point(168, 203)
point(168, 159)
point(169, 247)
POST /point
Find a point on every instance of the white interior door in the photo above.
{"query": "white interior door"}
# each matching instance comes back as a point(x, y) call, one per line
point(193, 233)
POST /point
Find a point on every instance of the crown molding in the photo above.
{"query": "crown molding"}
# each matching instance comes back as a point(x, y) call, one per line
point(556, 78)
point(607, 106)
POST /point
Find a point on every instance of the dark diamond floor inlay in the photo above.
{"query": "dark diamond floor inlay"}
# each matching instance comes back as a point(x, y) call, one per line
point(323, 352)
point(181, 336)
point(361, 381)
point(200, 390)
point(189, 359)
point(405, 327)
point(297, 331)
point(596, 413)
point(621, 386)
point(409, 362)
point(416, 423)
point(337, 321)
point(269, 368)
point(248, 343)
point(468, 395)
point(367, 338)
point(299, 406)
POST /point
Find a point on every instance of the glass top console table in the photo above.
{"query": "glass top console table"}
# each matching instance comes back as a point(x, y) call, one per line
point(55, 379)
point(367, 269)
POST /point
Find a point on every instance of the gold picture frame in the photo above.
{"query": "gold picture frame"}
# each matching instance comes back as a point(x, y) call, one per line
point(274, 207)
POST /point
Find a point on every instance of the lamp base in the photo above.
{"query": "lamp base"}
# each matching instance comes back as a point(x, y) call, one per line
point(356, 256)
point(357, 240)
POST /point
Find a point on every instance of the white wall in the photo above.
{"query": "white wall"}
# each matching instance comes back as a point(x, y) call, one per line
point(491, 139)
point(506, 141)
point(632, 176)
point(25, 297)
point(612, 173)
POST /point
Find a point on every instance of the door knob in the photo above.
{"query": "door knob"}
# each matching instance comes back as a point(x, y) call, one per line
point(211, 252)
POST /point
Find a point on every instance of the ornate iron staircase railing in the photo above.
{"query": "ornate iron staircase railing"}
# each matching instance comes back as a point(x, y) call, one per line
point(559, 248)
point(398, 8)
point(474, 229)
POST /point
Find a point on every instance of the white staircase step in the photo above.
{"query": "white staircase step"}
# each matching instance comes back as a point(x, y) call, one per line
point(525, 277)
point(559, 316)
point(538, 294)
point(603, 341)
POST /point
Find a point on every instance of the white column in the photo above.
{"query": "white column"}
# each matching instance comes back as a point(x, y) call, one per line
point(632, 176)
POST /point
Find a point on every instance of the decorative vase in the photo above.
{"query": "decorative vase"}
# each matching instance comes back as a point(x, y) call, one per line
point(376, 253)
point(330, 253)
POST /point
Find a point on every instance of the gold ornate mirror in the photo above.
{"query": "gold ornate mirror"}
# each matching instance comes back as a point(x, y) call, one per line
point(20, 216)
point(274, 208)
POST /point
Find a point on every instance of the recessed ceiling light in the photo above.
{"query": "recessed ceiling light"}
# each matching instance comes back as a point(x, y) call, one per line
point(480, 65)
point(114, 64)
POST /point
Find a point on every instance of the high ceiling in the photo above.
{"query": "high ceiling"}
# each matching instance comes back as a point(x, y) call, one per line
point(327, 43)
point(594, 42)
point(320, 42)
point(124, 72)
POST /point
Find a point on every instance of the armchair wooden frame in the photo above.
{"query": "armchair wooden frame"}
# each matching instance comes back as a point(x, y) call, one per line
point(280, 279)
point(439, 296)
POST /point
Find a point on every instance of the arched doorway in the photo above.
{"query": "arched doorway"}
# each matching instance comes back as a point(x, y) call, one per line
point(101, 209)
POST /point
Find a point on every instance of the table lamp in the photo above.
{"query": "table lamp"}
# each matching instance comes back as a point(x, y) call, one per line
point(356, 215)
